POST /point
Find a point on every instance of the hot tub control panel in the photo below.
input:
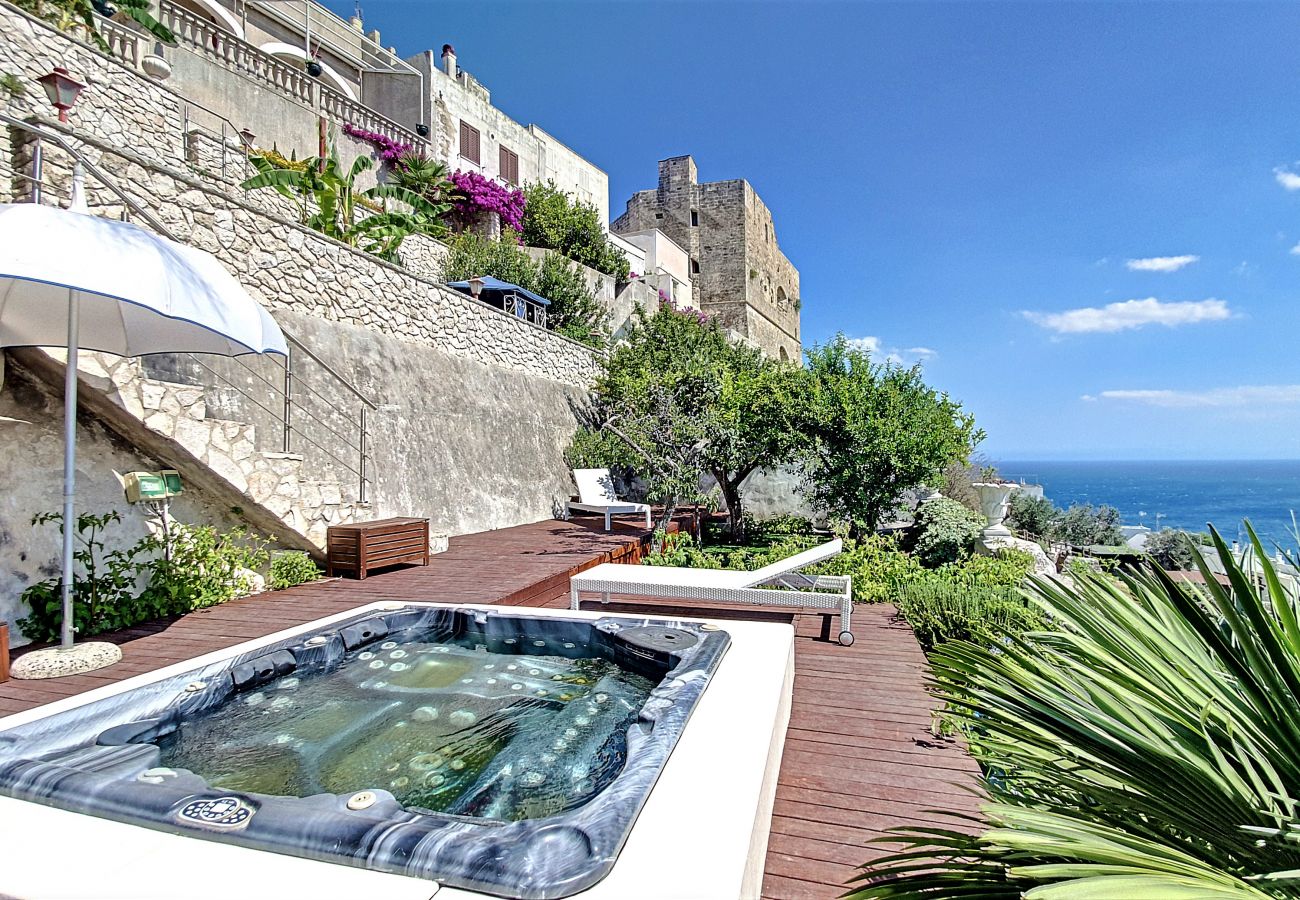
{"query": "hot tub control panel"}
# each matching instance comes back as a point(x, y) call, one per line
point(222, 813)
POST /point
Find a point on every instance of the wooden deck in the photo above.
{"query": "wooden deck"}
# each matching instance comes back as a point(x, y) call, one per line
point(859, 756)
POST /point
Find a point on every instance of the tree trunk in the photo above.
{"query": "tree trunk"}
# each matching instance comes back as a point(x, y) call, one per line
point(661, 527)
point(735, 513)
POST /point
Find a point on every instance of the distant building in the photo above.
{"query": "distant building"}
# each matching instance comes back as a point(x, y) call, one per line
point(471, 134)
point(737, 270)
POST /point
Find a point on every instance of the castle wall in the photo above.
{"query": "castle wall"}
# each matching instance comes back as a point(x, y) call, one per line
point(743, 278)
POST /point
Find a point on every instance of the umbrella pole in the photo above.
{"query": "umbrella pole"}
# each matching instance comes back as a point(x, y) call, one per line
point(69, 464)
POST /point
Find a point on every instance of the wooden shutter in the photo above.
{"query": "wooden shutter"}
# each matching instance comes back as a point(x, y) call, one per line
point(469, 142)
point(510, 165)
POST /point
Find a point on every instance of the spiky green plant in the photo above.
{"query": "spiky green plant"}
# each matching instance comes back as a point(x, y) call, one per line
point(1147, 747)
point(329, 201)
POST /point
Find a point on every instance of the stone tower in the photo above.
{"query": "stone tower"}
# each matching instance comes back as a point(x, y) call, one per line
point(738, 273)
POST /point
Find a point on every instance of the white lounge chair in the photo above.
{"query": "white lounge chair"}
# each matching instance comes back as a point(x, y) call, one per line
point(729, 585)
point(596, 495)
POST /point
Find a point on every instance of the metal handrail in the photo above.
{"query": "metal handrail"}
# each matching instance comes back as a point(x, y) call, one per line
point(43, 134)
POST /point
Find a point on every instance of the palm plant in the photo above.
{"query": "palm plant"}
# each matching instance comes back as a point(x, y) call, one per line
point(1148, 747)
point(328, 201)
point(425, 176)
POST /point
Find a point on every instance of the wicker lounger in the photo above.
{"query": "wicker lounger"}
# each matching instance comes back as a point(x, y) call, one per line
point(729, 586)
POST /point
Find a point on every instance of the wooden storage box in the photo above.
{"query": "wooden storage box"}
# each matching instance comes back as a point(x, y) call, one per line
point(363, 546)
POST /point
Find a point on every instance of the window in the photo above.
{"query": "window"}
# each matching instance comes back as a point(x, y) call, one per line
point(469, 142)
point(659, 215)
point(510, 165)
point(695, 219)
point(695, 266)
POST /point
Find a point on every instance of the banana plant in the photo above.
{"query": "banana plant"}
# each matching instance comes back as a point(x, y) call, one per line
point(1147, 746)
point(328, 201)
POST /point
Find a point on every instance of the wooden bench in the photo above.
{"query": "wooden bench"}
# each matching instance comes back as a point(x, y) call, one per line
point(358, 548)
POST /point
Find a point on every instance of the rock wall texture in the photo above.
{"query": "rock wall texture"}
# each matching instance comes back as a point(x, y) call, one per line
point(472, 407)
point(743, 278)
point(31, 470)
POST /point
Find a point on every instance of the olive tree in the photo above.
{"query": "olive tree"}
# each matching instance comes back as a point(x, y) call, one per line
point(689, 401)
point(874, 432)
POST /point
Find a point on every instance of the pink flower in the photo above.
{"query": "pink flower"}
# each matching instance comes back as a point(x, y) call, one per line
point(481, 194)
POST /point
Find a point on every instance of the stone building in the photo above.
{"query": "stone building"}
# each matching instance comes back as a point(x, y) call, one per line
point(738, 272)
point(471, 134)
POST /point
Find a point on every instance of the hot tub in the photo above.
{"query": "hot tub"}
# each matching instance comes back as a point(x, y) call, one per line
point(499, 752)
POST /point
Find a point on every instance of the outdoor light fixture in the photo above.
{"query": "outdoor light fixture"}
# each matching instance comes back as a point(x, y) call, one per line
point(422, 130)
point(246, 135)
point(476, 286)
point(62, 89)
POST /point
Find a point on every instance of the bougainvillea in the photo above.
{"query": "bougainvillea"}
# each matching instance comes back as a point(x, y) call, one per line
point(389, 150)
point(668, 303)
point(480, 194)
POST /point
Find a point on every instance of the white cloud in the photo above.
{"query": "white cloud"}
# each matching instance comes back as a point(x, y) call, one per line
point(1288, 179)
point(903, 356)
point(1295, 251)
point(1127, 314)
point(1232, 397)
point(1160, 263)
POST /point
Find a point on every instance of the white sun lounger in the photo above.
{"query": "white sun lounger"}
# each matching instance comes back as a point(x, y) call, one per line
point(729, 585)
point(596, 495)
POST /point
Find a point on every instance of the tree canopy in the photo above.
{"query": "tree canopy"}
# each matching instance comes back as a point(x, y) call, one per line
point(875, 431)
point(555, 220)
point(739, 411)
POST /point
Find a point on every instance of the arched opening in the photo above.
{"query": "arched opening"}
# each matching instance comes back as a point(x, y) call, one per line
point(785, 357)
point(297, 54)
point(215, 13)
point(780, 296)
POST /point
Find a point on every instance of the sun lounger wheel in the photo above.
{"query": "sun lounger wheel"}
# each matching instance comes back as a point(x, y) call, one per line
point(846, 638)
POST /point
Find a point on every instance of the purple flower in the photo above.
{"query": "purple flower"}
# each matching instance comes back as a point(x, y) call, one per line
point(481, 194)
point(390, 151)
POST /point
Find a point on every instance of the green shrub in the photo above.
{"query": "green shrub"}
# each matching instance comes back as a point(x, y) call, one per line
point(945, 532)
point(196, 568)
point(1171, 549)
point(291, 568)
point(880, 570)
point(103, 584)
point(1085, 525)
point(788, 524)
point(555, 220)
point(679, 549)
point(941, 611)
point(1034, 515)
point(201, 567)
point(574, 310)
point(593, 448)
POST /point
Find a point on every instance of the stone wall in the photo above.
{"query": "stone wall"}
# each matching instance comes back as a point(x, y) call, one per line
point(474, 406)
point(743, 278)
point(31, 468)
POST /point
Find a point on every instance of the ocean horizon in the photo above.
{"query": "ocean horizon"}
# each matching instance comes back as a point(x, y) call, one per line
point(1184, 494)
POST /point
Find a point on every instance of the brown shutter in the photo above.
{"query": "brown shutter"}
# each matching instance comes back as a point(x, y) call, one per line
point(469, 142)
point(509, 165)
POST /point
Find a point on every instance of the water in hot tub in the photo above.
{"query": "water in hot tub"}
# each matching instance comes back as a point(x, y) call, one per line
point(447, 727)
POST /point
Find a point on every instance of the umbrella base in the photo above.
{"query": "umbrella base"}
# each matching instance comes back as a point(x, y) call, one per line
point(57, 662)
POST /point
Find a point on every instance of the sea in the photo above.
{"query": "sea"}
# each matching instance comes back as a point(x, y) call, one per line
point(1180, 494)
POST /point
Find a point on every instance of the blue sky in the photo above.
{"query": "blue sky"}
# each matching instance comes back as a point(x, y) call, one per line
point(966, 184)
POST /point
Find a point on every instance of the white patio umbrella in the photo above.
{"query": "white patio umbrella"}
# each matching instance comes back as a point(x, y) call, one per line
point(85, 282)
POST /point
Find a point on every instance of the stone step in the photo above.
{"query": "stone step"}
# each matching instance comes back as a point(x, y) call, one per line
point(172, 398)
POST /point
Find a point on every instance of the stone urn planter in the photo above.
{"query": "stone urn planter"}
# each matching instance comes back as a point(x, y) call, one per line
point(994, 500)
point(155, 65)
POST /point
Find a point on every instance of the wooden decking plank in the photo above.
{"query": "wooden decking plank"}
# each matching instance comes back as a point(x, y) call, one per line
point(859, 758)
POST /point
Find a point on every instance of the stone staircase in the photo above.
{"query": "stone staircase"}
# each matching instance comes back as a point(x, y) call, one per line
point(174, 417)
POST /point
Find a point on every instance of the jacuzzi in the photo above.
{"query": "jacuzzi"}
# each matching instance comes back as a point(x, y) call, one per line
point(494, 751)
